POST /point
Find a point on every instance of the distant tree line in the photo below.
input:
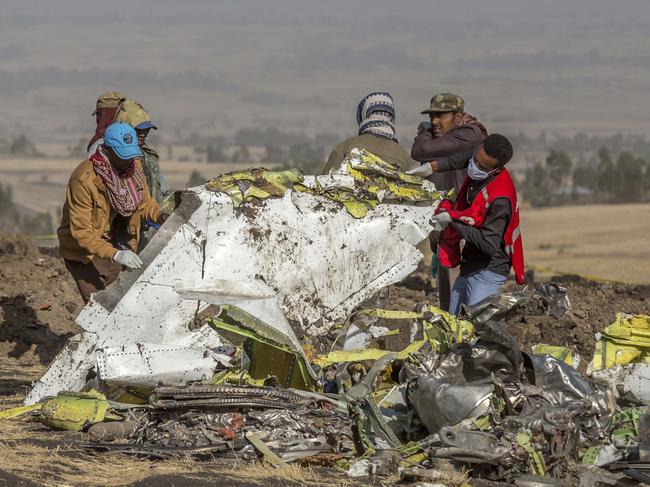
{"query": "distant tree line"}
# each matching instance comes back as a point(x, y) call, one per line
point(291, 149)
point(20, 146)
point(600, 179)
point(581, 145)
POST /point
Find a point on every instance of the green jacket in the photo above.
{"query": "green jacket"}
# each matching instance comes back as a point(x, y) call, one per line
point(155, 179)
point(388, 150)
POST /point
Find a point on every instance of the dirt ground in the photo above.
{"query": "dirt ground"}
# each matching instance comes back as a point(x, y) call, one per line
point(38, 303)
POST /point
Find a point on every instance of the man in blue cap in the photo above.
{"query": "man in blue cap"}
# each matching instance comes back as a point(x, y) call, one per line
point(106, 200)
point(136, 116)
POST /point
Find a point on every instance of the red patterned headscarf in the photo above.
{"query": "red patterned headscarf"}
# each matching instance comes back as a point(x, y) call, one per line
point(125, 189)
point(105, 117)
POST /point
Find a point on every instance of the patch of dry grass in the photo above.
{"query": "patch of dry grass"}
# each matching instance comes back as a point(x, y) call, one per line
point(34, 453)
point(292, 474)
point(606, 242)
point(68, 465)
point(63, 465)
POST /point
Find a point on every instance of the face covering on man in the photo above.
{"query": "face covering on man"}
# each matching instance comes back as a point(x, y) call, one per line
point(475, 173)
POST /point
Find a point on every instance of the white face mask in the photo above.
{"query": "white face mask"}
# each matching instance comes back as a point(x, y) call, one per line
point(475, 173)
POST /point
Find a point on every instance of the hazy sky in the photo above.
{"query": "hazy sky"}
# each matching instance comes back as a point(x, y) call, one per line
point(211, 66)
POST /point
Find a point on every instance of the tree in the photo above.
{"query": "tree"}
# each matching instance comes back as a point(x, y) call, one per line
point(22, 146)
point(537, 186)
point(585, 176)
point(609, 180)
point(630, 170)
point(214, 153)
point(6, 198)
point(306, 157)
point(196, 179)
point(646, 178)
point(241, 155)
point(38, 224)
point(558, 165)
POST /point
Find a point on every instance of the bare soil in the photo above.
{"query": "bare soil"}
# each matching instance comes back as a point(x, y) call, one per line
point(38, 303)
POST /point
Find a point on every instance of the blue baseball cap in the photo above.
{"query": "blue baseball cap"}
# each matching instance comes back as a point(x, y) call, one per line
point(147, 124)
point(121, 137)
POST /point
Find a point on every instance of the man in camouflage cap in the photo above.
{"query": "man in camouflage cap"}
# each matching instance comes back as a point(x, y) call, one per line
point(136, 116)
point(105, 109)
point(443, 146)
point(445, 102)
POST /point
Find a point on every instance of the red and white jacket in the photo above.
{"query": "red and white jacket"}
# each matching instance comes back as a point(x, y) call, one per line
point(501, 186)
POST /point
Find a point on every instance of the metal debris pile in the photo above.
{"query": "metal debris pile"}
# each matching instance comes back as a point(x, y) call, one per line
point(232, 422)
point(363, 181)
point(245, 338)
point(459, 404)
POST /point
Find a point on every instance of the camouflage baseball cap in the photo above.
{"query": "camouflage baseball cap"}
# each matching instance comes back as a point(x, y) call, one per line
point(446, 102)
point(135, 115)
point(110, 99)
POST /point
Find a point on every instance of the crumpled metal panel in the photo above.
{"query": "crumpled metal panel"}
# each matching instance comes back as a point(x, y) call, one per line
point(474, 447)
point(149, 365)
point(493, 307)
point(299, 263)
point(563, 383)
point(564, 387)
point(439, 404)
point(631, 379)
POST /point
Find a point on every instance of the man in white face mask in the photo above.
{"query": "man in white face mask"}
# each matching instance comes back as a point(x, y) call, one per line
point(485, 216)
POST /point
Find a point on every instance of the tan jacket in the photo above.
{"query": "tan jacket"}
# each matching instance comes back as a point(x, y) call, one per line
point(388, 150)
point(86, 215)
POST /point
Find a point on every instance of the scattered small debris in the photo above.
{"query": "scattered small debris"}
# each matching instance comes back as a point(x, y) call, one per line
point(268, 356)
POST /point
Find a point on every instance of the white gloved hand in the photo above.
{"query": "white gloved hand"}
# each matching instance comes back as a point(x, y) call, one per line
point(423, 171)
point(128, 258)
point(440, 221)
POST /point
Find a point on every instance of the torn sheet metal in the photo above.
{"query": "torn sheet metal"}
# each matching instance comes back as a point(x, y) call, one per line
point(555, 298)
point(149, 365)
point(629, 382)
point(565, 388)
point(493, 307)
point(440, 404)
point(625, 341)
point(195, 357)
point(561, 353)
point(473, 447)
point(563, 384)
point(299, 263)
point(267, 353)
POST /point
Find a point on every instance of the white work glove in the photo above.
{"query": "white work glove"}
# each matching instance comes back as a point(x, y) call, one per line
point(423, 170)
point(127, 258)
point(440, 221)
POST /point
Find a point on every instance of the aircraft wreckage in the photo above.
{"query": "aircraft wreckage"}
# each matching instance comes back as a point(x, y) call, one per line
point(249, 334)
point(275, 245)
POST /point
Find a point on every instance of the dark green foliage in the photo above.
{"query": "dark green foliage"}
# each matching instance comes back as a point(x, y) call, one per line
point(625, 179)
